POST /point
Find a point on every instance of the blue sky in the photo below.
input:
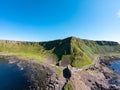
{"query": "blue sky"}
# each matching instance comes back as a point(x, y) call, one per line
point(42, 20)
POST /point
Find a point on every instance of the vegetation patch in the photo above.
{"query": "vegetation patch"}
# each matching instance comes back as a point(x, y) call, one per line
point(59, 72)
point(31, 50)
point(69, 86)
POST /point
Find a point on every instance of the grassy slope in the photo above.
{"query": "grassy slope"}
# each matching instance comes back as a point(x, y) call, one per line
point(74, 51)
point(79, 52)
point(85, 49)
point(25, 49)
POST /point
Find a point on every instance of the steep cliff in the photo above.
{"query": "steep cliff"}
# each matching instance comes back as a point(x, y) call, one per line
point(79, 52)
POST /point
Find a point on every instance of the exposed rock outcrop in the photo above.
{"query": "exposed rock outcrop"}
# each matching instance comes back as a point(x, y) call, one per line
point(96, 77)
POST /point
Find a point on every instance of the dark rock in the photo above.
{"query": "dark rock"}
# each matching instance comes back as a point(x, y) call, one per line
point(67, 73)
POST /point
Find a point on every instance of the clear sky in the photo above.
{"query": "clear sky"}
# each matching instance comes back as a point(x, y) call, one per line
point(42, 20)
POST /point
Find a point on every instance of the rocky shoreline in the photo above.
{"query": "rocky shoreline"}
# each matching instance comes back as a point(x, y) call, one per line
point(40, 76)
point(44, 77)
point(97, 76)
point(100, 76)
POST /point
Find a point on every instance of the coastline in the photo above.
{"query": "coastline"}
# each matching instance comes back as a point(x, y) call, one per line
point(41, 76)
point(97, 76)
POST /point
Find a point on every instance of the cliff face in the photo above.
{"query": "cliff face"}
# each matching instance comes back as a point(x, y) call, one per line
point(59, 47)
point(74, 51)
point(79, 52)
point(109, 43)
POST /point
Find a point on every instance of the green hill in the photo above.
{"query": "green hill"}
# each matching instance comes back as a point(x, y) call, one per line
point(79, 52)
point(74, 51)
point(32, 50)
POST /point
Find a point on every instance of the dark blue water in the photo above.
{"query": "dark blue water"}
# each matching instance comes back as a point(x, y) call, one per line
point(116, 66)
point(12, 78)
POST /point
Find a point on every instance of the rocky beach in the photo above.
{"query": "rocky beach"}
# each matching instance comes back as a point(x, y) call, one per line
point(98, 76)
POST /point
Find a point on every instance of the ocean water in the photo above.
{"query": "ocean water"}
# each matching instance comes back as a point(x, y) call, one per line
point(11, 77)
point(116, 66)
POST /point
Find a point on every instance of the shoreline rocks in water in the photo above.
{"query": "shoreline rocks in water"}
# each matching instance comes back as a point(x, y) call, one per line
point(96, 77)
point(44, 77)
point(101, 77)
point(41, 76)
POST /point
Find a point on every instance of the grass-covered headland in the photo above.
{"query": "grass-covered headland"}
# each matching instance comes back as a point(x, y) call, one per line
point(74, 51)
